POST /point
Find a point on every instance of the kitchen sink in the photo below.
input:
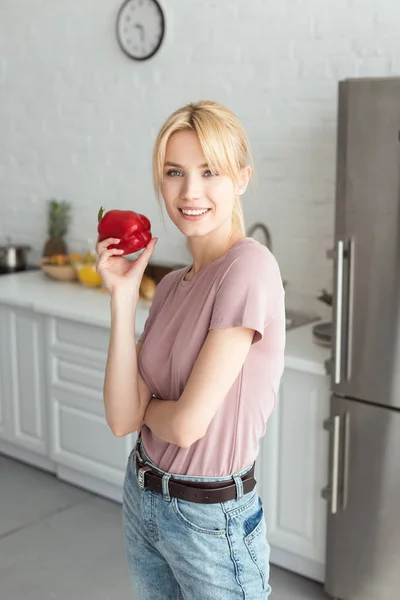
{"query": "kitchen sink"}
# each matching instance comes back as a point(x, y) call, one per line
point(298, 319)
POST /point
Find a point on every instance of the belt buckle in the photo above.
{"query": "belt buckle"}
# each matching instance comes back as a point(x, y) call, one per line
point(141, 474)
point(141, 471)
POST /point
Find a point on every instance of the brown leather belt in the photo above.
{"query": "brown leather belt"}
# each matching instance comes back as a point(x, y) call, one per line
point(207, 492)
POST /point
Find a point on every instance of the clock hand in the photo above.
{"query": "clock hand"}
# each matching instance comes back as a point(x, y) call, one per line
point(138, 26)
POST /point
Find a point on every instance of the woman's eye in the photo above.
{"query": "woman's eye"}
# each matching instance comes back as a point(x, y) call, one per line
point(174, 173)
point(209, 173)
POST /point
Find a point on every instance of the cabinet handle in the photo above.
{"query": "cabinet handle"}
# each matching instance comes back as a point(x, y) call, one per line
point(330, 492)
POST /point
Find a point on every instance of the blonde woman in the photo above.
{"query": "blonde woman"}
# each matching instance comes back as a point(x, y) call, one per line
point(204, 376)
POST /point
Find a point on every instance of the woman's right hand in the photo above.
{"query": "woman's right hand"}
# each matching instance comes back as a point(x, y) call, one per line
point(118, 273)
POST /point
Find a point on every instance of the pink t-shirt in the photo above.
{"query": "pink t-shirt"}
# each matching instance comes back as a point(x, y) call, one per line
point(243, 287)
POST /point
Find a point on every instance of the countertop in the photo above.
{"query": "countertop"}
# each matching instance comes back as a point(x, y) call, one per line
point(34, 290)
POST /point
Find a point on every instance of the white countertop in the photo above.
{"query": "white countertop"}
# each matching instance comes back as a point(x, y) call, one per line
point(69, 300)
point(36, 291)
point(303, 354)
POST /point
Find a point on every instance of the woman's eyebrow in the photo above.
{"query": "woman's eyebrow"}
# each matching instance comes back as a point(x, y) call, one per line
point(172, 164)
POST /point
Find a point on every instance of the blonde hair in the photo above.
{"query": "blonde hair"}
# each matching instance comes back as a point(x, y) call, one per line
point(222, 138)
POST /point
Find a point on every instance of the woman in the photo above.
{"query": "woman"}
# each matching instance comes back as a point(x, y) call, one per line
point(204, 377)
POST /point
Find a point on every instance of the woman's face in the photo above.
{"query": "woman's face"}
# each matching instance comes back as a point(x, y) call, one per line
point(188, 183)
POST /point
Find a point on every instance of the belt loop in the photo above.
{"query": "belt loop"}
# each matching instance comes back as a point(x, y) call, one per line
point(239, 487)
point(135, 463)
point(135, 453)
point(165, 488)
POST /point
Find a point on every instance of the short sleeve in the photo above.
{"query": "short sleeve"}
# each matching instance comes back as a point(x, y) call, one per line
point(249, 293)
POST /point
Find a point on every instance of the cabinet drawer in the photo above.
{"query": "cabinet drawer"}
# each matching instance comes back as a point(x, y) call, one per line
point(79, 342)
point(89, 377)
point(75, 397)
point(80, 335)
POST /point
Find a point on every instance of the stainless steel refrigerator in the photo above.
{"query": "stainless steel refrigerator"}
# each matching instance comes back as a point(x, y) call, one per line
point(363, 547)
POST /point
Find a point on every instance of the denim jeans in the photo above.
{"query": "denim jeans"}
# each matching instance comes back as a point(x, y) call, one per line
point(180, 550)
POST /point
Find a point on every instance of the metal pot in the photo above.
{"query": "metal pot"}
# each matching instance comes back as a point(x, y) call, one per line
point(13, 257)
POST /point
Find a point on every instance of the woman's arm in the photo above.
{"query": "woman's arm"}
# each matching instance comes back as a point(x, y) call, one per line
point(126, 395)
point(220, 360)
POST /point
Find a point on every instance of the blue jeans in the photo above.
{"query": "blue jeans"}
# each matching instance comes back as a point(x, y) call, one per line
point(180, 550)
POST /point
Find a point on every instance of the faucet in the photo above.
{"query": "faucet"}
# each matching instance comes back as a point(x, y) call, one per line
point(265, 230)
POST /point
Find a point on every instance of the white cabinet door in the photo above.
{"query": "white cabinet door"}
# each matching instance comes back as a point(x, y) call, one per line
point(5, 375)
point(82, 445)
point(292, 470)
point(22, 396)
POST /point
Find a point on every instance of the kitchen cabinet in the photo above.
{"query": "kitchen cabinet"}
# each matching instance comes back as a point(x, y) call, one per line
point(5, 379)
point(23, 418)
point(51, 400)
point(81, 444)
point(292, 470)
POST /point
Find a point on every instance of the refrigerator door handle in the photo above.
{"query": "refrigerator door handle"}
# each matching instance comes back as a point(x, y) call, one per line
point(351, 271)
point(330, 492)
point(346, 459)
point(339, 307)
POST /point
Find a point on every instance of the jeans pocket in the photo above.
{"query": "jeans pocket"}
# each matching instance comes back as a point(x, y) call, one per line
point(256, 542)
point(202, 518)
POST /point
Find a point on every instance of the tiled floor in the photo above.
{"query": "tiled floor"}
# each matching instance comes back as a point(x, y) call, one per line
point(58, 542)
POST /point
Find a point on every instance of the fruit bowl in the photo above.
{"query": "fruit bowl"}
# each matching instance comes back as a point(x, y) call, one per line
point(59, 272)
point(87, 274)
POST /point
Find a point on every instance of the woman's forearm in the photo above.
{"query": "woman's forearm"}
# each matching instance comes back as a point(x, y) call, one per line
point(121, 391)
point(160, 417)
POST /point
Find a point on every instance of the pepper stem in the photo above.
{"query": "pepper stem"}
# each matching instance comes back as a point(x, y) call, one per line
point(100, 214)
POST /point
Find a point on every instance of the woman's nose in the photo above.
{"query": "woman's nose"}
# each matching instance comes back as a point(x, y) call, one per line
point(192, 188)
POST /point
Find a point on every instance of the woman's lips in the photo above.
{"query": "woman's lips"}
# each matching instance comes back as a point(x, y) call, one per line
point(194, 217)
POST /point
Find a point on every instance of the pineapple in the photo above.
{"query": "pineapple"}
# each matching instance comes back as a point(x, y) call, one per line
point(58, 220)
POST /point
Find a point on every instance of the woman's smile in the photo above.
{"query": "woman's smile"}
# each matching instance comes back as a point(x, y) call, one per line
point(194, 214)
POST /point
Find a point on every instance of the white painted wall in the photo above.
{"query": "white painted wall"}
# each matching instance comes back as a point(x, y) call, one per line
point(78, 118)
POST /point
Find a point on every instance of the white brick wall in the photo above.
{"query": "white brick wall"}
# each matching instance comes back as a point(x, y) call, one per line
point(78, 119)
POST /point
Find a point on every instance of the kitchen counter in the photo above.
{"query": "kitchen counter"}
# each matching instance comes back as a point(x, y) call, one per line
point(303, 354)
point(69, 300)
point(34, 290)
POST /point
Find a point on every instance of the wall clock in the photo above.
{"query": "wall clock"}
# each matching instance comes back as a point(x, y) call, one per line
point(140, 28)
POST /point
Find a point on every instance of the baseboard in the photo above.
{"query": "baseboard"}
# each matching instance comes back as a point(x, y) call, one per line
point(89, 483)
point(27, 456)
point(298, 564)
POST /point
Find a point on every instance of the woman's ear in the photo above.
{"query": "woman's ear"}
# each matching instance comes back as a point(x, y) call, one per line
point(243, 181)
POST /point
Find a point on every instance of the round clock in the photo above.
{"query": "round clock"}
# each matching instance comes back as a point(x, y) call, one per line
point(140, 28)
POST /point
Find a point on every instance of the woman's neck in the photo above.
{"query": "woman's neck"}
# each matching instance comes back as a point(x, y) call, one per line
point(205, 251)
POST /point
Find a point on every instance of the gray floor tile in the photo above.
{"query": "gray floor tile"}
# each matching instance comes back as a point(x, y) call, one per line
point(288, 586)
point(28, 494)
point(76, 554)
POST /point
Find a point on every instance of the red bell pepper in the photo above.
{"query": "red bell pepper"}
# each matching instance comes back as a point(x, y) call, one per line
point(133, 229)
